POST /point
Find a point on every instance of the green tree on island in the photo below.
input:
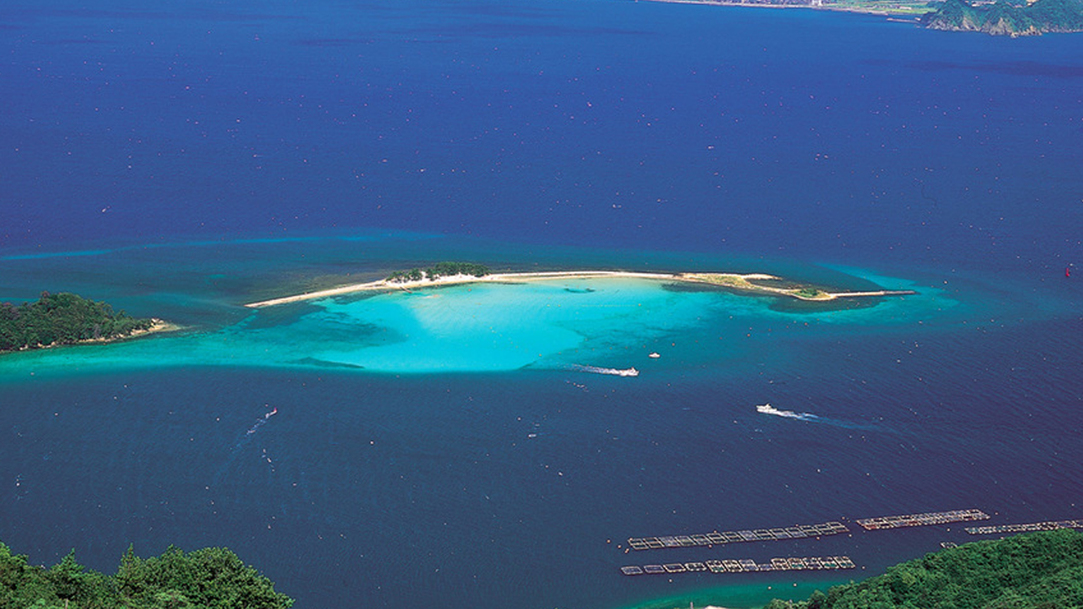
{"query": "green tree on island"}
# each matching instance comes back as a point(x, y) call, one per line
point(440, 269)
point(62, 319)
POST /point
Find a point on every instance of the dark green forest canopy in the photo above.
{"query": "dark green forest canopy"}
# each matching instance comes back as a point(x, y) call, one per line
point(440, 269)
point(1034, 571)
point(62, 319)
point(211, 578)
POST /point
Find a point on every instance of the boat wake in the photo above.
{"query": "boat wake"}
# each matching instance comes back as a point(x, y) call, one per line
point(789, 414)
point(242, 444)
point(610, 371)
point(261, 422)
point(812, 418)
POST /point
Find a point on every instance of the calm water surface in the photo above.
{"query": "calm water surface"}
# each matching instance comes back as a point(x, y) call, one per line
point(441, 448)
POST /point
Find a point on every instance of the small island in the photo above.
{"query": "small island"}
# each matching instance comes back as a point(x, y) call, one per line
point(451, 273)
point(68, 319)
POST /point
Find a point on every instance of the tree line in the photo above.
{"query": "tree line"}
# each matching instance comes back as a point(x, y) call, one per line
point(62, 319)
point(1034, 571)
point(440, 269)
point(211, 578)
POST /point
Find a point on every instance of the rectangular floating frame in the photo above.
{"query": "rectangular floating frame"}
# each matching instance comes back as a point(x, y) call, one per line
point(810, 563)
point(717, 538)
point(918, 520)
point(1048, 525)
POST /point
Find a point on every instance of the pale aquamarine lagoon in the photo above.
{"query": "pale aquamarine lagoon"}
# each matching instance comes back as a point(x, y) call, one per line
point(480, 327)
point(486, 327)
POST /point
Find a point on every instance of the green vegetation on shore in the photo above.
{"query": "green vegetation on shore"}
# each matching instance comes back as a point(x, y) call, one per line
point(895, 8)
point(62, 319)
point(1034, 571)
point(208, 578)
point(1006, 18)
point(440, 269)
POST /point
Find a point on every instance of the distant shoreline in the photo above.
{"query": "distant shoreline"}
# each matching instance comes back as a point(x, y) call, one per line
point(737, 281)
point(836, 8)
point(1029, 19)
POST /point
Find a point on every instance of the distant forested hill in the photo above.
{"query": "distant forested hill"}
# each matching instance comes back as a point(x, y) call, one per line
point(62, 319)
point(1007, 18)
point(1035, 571)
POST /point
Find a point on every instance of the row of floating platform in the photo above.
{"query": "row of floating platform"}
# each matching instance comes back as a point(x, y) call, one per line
point(716, 538)
point(812, 563)
point(802, 531)
point(917, 520)
point(1049, 525)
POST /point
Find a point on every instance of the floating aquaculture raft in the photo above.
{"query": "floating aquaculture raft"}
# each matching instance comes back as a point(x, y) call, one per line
point(918, 520)
point(812, 563)
point(717, 538)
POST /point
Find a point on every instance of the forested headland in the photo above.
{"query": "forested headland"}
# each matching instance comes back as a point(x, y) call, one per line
point(1034, 571)
point(211, 577)
point(63, 319)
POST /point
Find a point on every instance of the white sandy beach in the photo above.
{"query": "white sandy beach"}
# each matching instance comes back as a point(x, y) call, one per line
point(385, 285)
point(738, 281)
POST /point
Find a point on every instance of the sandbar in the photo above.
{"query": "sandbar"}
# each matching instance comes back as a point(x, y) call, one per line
point(736, 281)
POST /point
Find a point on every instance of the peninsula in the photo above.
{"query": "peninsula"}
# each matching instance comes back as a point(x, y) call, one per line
point(68, 319)
point(755, 283)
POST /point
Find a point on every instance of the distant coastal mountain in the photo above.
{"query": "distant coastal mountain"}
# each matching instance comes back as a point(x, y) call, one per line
point(1007, 19)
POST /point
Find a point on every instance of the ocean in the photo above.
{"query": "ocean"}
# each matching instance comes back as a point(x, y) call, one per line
point(452, 447)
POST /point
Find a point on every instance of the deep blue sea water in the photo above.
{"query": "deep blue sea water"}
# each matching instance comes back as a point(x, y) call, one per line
point(441, 448)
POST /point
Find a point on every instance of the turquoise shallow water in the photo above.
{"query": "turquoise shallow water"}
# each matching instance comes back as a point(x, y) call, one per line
point(612, 323)
point(446, 445)
point(749, 595)
point(504, 327)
